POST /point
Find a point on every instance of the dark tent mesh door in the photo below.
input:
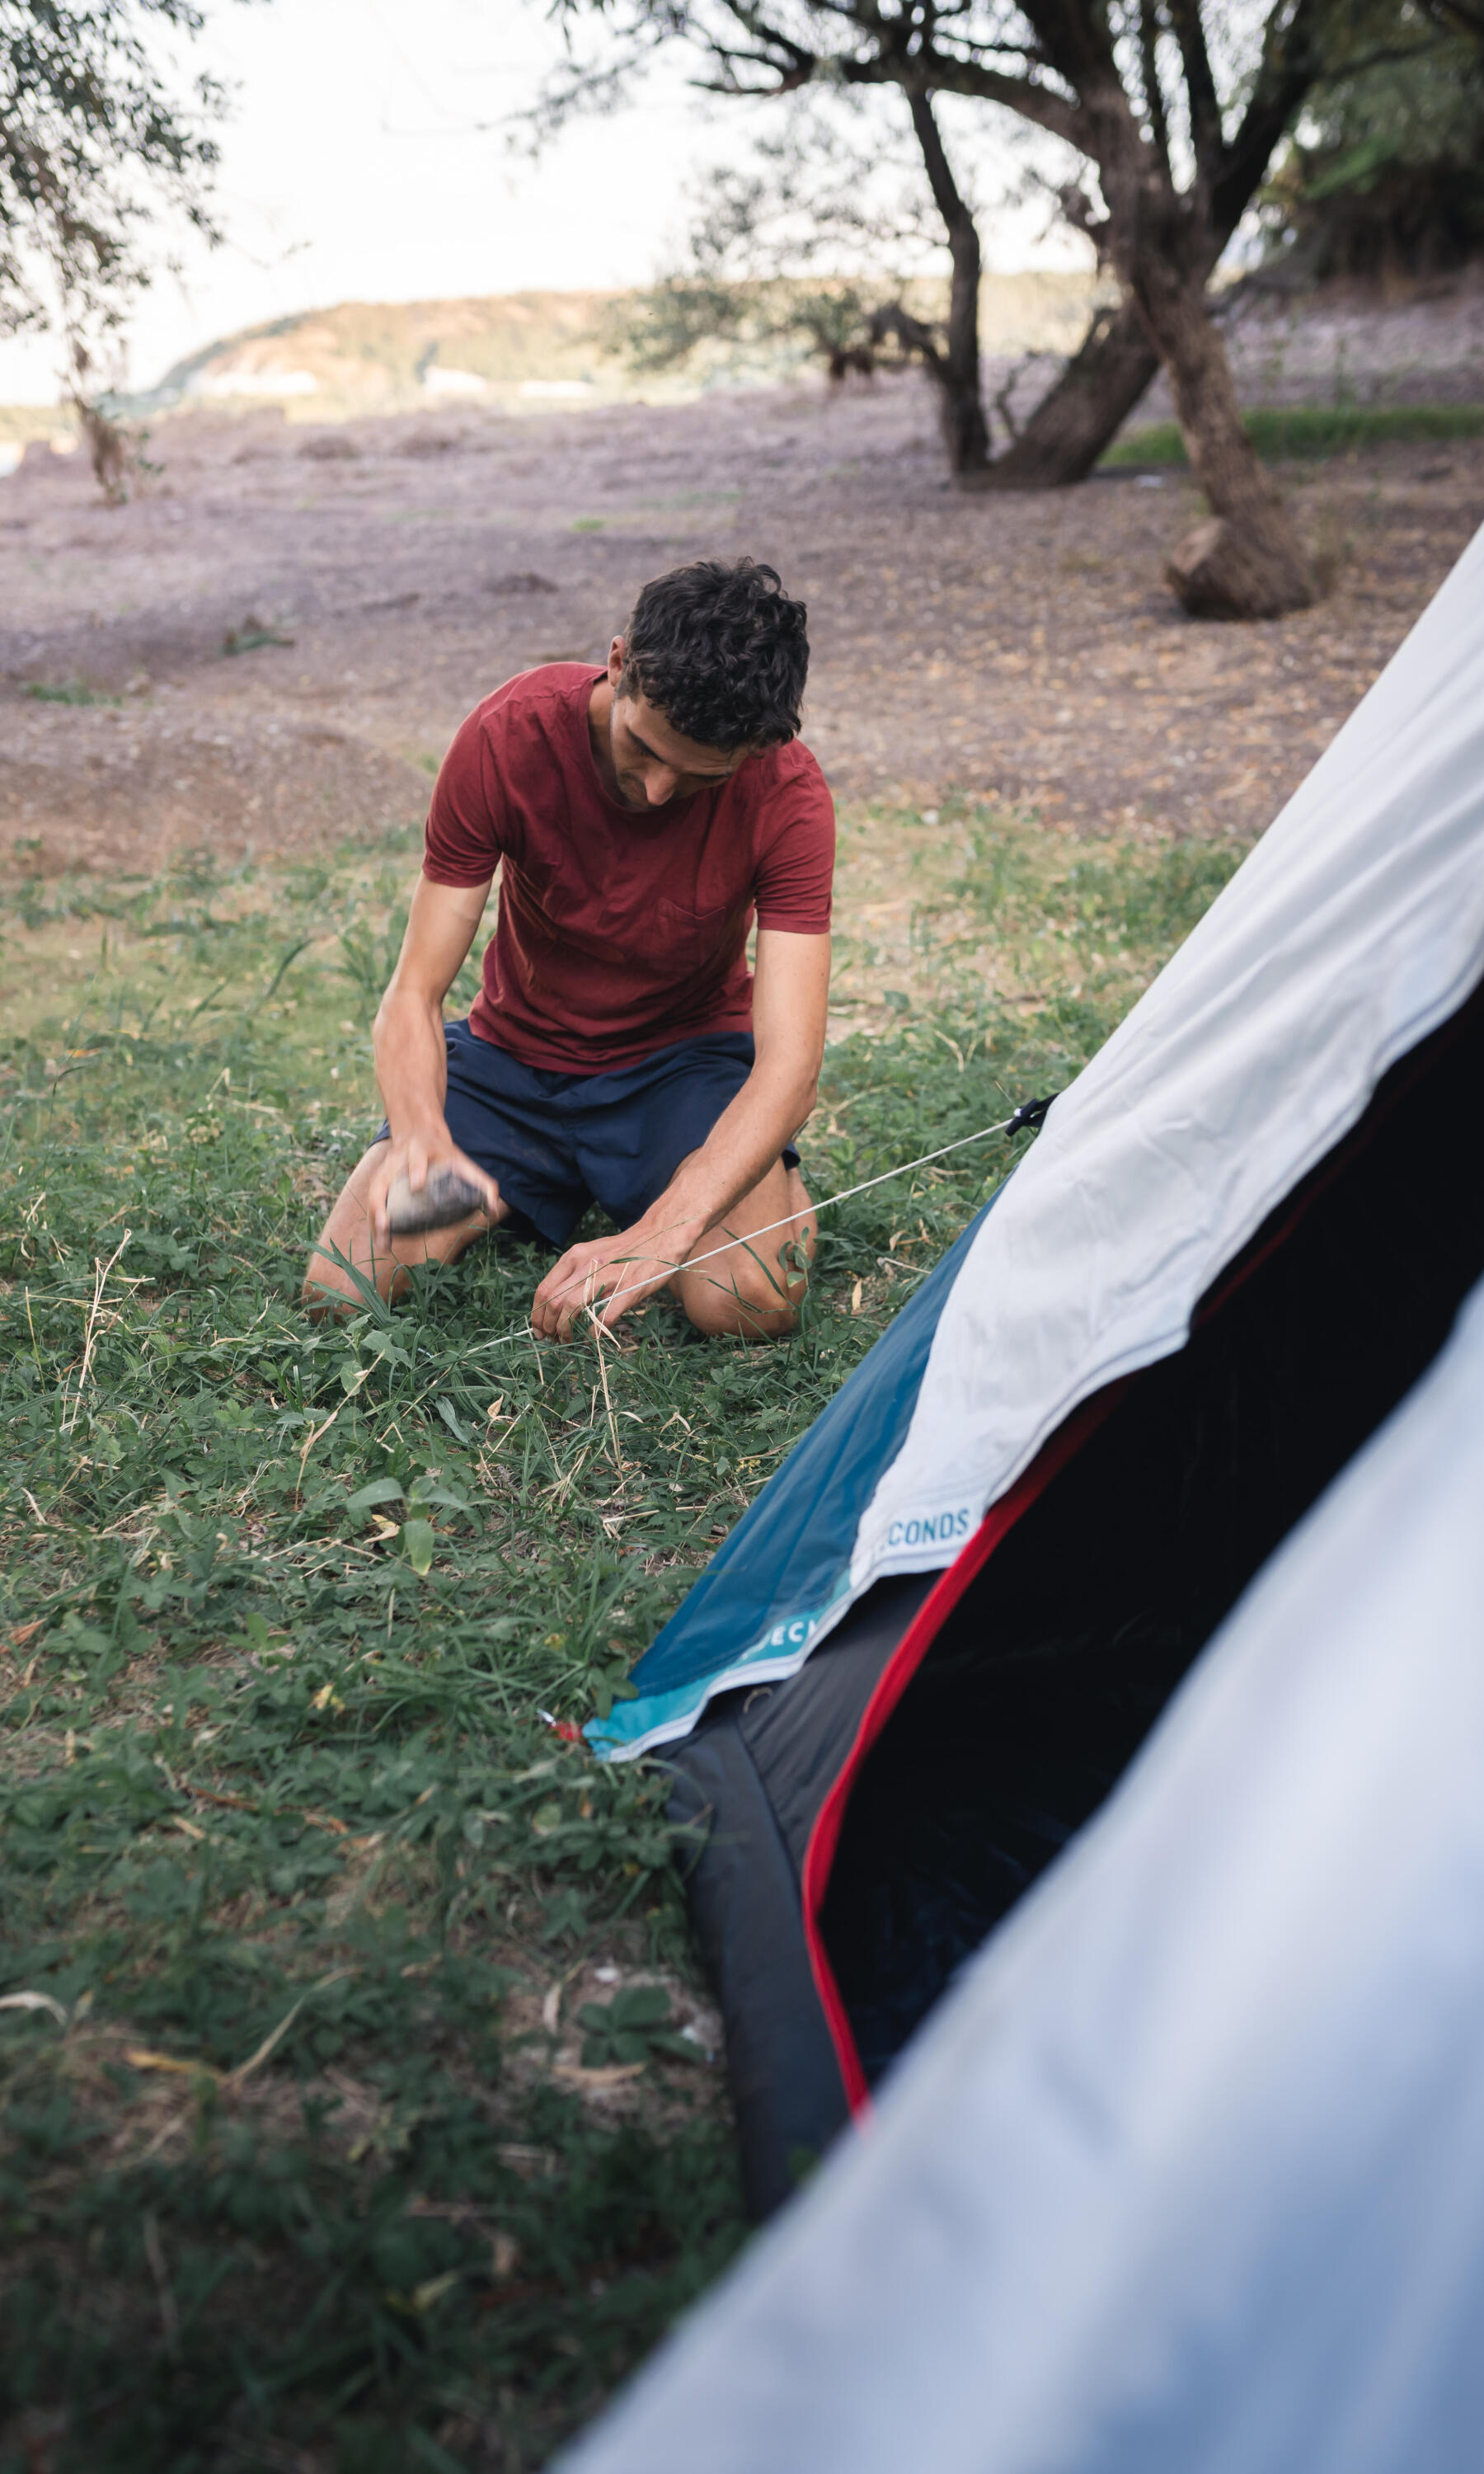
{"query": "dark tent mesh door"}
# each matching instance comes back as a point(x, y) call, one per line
point(875, 1817)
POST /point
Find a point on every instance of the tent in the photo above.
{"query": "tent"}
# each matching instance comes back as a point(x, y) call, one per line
point(1186, 2174)
point(1089, 1724)
point(925, 1656)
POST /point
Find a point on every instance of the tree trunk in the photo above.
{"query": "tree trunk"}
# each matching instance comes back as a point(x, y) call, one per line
point(1252, 564)
point(966, 433)
point(1083, 413)
point(1079, 415)
point(955, 370)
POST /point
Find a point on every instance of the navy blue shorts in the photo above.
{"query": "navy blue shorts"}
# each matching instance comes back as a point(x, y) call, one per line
point(555, 1143)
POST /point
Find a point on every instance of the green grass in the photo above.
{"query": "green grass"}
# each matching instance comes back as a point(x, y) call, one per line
point(299, 2166)
point(75, 692)
point(252, 637)
point(1298, 432)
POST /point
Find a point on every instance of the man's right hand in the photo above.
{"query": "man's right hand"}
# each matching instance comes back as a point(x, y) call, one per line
point(408, 1043)
point(414, 1155)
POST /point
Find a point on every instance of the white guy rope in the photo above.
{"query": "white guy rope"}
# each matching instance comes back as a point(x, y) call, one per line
point(829, 1205)
point(595, 1302)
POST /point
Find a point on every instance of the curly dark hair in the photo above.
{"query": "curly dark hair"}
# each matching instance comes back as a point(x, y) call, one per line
point(720, 651)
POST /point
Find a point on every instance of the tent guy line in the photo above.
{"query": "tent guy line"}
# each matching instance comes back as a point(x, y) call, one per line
point(1031, 1113)
point(1028, 1117)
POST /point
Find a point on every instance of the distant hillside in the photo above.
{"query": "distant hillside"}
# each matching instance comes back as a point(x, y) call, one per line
point(392, 356)
point(525, 350)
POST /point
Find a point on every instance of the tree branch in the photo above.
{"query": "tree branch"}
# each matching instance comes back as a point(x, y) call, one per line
point(1206, 130)
point(1149, 74)
point(1075, 42)
point(1458, 14)
point(1291, 64)
point(936, 72)
point(772, 44)
point(909, 333)
point(947, 197)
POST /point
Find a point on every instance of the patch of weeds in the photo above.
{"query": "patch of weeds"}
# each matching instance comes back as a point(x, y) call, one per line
point(631, 2029)
point(368, 958)
point(252, 636)
point(1283, 433)
point(73, 691)
point(294, 1867)
point(1110, 915)
point(1149, 901)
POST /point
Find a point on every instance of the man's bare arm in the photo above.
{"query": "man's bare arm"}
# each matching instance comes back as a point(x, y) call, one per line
point(408, 1042)
point(790, 999)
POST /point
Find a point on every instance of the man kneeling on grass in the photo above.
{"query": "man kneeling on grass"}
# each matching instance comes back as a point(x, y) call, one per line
point(619, 1051)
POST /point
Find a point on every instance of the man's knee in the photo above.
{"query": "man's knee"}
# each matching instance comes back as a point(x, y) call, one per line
point(724, 1313)
point(747, 1293)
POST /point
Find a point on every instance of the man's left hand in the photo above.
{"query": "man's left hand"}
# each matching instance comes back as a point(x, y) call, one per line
point(602, 1281)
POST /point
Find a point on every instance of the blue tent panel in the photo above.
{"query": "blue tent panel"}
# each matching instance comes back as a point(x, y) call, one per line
point(762, 1598)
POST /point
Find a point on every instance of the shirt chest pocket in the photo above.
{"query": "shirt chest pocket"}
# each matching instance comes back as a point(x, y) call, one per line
point(678, 941)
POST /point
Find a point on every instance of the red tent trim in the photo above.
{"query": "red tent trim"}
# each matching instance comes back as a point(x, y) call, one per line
point(894, 1677)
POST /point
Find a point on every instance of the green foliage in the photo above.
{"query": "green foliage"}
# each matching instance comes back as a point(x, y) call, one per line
point(1154, 899)
point(73, 693)
point(683, 315)
point(1107, 914)
point(252, 637)
point(99, 134)
point(92, 131)
point(1386, 175)
point(821, 251)
point(1287, 432)
point(369, 958)
point(630, 2029)
point(295, 1865)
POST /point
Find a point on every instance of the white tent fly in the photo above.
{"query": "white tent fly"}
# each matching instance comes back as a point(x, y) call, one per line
point(1187, 2175)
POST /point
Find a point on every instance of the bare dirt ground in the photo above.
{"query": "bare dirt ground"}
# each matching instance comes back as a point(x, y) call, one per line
point(1019, 648)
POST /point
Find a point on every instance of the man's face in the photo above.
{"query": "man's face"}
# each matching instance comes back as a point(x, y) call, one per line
point(654, 761)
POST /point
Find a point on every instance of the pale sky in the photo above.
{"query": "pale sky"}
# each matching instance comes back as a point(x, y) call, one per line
point(354, 168)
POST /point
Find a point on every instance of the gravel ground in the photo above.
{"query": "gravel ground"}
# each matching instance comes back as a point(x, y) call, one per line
point(1021, 648)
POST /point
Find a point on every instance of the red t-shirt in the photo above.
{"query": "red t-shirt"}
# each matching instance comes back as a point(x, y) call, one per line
point(619, 932)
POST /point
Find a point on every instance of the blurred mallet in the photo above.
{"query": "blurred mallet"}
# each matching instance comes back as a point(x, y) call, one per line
point(446, 1199)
